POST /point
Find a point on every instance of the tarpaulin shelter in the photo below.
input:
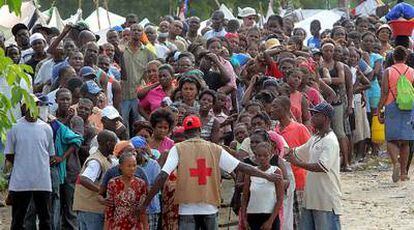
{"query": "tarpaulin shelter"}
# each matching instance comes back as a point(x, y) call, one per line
point(102, 19)
point(326, 17)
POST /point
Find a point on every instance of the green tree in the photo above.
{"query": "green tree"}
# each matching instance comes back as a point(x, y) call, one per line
point(13, 74)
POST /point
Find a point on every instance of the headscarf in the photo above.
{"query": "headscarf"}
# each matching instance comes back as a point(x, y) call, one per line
point(138, 142)
point(121, 146)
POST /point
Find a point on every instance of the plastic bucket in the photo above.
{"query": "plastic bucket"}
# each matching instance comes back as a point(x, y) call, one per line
point(401, 27)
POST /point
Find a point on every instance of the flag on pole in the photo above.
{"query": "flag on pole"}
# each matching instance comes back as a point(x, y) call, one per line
point(365, 7)
point(184, 9)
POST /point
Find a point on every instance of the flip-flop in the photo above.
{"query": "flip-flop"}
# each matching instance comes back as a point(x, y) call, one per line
point(396, 173)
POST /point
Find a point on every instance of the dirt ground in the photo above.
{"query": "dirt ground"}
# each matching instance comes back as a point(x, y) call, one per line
point(371, 201)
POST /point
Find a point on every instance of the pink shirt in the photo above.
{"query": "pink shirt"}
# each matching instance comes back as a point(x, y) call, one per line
point(313, 97)
point(230, 71)
point(393, 76)
point(165, 145)
point(153, 99)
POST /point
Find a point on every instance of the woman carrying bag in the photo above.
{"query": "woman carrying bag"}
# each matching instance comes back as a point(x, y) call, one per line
point(397, 96)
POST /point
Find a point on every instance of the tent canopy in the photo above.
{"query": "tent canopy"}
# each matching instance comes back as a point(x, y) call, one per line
point(96, 25)
point(326, 17)
point(8, 19)
point(56, 20)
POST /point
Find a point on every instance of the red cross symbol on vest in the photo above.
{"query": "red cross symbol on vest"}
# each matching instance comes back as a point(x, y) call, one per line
point(202, 172)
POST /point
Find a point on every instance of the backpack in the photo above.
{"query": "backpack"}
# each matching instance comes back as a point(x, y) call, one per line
point(405, 92)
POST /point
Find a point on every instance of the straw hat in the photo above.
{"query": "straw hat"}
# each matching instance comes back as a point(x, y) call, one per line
point(271, 43)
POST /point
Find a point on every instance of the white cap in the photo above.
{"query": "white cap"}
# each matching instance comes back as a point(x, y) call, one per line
point(110, 112)
point(37, 36)
point(246, 12)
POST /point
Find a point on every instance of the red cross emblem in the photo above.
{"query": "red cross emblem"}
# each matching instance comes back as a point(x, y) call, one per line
point(202, 172)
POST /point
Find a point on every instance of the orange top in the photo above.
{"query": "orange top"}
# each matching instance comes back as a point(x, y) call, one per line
point(394, 72)
point(296, 105)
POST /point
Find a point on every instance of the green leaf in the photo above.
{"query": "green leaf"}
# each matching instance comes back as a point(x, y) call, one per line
point(15, 6)
point(11, 77)
point(26, 68)
point(16, 95)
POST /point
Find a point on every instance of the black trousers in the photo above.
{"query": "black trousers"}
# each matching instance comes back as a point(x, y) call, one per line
point(20, 203)
point(256, 221)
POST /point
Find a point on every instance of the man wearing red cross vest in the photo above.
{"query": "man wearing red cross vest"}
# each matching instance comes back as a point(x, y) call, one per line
point(198, 163)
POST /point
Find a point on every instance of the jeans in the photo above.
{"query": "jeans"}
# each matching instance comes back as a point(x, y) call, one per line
point(196, 222)
point(90, 221)
point(129, 111)
point(55, 211)
point(69, 217)
point(319, 220)
point(20, 203)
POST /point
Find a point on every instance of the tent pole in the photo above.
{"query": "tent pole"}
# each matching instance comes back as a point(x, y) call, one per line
point(79, 4)
point(97, 13)
point(106, 5)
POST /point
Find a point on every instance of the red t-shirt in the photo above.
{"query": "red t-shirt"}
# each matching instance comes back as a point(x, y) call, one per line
point(273, 70)
point(296, 135)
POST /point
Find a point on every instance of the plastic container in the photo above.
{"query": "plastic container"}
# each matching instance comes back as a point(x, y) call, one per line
point(377, 131)
point(401, 27)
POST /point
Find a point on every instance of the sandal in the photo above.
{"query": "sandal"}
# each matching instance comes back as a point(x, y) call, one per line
point(396, 173)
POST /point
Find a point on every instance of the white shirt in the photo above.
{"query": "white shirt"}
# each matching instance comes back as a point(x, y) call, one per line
point(52, 99)
point(161, 51)
point(93, 169)
point(32, 145)
point(45, 72)
point(227, 162)
point(262, 194)
point(26, 55)
point(322, 189)
point(212, 34)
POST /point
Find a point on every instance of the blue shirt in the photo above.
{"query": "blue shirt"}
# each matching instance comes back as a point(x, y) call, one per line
point(152, 169)
point(314, 42)
point(114, 72)
point(57, 68)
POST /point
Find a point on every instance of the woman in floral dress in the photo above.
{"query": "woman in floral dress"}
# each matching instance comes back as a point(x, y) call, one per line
point(125, 193)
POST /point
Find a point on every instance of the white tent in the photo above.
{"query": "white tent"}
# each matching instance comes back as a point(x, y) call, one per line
point(102, 33)
point(74, 18)
point(326, 17)
point(56, 20)
point(8, 19)
point(227, 12)
point(106, 20)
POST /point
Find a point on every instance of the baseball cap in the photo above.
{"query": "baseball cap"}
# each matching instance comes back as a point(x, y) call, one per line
point(316, 51)
point(92, 87)
point(191, 122)
point(81, 25)
point(272, 43)
point(41, 99)
point(87, 71)
point(37, 36)
point(110, 112)
point(39, 27)
point(118, 28)
point(324, 108)
point(19, 26)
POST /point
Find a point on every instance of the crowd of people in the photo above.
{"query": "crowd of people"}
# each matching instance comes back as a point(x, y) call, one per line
point(140, 132)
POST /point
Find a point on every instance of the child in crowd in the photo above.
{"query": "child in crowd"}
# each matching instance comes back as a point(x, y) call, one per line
point(264, 198)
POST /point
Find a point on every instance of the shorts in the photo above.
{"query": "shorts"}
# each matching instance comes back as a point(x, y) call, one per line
point(338, 121)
